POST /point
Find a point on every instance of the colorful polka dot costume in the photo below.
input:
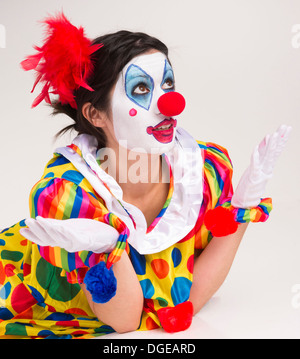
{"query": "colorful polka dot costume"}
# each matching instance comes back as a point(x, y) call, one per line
point(39, 292)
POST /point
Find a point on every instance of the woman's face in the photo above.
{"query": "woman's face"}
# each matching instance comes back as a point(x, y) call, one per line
point(138, 124)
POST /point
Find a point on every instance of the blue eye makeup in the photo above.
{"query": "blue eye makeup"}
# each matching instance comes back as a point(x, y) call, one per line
point(139, 86)
point(168, 83)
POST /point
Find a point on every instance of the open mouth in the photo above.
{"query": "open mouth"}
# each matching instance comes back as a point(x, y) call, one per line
point(163, 131)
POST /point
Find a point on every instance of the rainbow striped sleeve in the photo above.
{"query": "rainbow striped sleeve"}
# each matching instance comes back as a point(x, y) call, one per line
point(217, 186)
point(60, 198)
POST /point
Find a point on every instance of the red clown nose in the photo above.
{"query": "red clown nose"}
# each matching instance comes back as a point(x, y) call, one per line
point(171, 104)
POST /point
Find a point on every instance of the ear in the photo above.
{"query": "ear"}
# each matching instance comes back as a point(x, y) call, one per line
point(96, 117)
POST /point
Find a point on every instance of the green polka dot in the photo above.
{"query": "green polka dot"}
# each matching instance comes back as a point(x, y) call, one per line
point(162, 302)
point(11, 255)
point(57, 286)
point(15, 329)
point(9, 234)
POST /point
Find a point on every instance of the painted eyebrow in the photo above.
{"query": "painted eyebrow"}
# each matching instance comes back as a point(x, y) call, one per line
point(137, 72)
point(142, 76)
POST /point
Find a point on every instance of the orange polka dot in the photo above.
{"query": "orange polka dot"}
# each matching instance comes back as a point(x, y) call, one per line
point(23, 242)
point(150, 324)
point(27, 314)
point(160, 267)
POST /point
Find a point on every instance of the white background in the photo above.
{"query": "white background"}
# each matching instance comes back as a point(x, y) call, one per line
point(237, 63)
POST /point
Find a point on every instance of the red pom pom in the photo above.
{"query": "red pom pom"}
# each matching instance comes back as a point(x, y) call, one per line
point(220, 221)
point(63, 63)
point(176, 319)
point(171, 104)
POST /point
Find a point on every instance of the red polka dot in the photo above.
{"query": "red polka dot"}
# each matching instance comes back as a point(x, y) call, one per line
point(150, 324)
point(190, 264)
point(148, 305)
point(21, 299)
point(2, 274)
point(68, 323)
point(77, 332)
point(51, 309)
point(160, 267)
point(76, 311)
point(23, 242)
point(9, 270)
point(26, 269)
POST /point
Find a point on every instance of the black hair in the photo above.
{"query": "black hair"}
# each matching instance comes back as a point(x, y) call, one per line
point(118, 49)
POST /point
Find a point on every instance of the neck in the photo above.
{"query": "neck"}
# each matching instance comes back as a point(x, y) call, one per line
point(137, 173)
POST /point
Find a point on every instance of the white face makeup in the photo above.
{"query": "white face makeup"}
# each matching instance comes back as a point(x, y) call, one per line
point(138, 124)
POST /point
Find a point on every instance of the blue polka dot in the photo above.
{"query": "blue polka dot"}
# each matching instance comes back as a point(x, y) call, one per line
point(58, 162)
point(60, 316)
point(53, 336)
point(50, 174)
point(138, 261)
point(147, 288)
point(5, 291)
point(22, 223)
point(36, 294)
point(2, 242)
point(104, 328)
point(176, 257)
point(45, 332)
point(180, 291)
point(5, 314)
point(73, 176)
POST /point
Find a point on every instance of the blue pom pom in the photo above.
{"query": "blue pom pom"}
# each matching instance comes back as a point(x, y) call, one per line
point(101, 283)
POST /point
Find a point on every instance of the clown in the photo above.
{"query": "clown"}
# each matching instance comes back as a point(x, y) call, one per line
point(127, 221)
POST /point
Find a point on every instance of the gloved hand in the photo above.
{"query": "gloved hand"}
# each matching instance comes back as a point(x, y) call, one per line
point(251, 187)
point(71, 234)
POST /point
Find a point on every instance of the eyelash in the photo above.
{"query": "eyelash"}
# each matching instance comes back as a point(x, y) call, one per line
point(171, 80)
point(146, 86)
point(137, 86)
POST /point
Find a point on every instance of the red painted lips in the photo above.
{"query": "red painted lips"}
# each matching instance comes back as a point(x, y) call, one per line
point(163, 131)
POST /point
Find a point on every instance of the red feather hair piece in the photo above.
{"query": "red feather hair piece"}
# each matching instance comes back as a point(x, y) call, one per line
point(63, 63)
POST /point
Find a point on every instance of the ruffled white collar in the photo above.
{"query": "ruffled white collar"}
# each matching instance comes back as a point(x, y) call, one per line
point(180, 216)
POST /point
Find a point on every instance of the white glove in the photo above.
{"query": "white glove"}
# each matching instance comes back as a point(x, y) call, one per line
point(71, 234)
point(251, 187)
